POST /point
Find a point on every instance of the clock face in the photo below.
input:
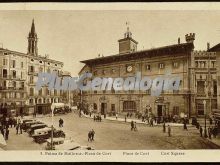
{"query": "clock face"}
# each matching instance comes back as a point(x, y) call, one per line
point(129, 68)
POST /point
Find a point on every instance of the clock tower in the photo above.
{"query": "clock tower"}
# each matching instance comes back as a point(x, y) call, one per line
point(127, 44)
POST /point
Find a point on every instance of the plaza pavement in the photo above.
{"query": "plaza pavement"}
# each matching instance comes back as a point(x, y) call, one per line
point(115, 134)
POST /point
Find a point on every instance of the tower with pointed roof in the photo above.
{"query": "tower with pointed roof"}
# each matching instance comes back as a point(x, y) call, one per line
point(127, 44)
point(32, 41)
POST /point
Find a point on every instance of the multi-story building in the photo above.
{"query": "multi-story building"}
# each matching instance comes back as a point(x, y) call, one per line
point(18, 77)
point(173, 59)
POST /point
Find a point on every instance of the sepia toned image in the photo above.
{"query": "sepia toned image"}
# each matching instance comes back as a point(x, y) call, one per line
point(109, 80)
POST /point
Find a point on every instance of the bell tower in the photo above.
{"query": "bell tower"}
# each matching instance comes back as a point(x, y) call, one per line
point(32, 41)
point(127, 44)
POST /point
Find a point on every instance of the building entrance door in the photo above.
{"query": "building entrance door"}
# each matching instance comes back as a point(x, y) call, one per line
point(159, 110)
point(103, 108)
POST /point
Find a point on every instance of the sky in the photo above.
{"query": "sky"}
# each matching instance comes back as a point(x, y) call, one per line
point(72, 36)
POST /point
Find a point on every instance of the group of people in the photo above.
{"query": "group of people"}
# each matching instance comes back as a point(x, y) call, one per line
point(6, 122)
point(211, 131)
point(164, 129)
point(91, 135)
point(97, 118)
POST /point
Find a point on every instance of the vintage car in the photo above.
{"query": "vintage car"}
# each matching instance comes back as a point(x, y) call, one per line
point(41, 135)
point(63, 144)
point(35, 127)
point(28, 124)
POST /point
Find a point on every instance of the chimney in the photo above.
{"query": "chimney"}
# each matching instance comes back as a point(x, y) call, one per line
point(190, 37)
point(179, 40)
point(208, 45)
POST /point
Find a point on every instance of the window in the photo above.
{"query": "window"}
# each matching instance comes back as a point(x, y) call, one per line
point(197, 64)
point(147, 67)
point(31, 69)
point(55, 64)
point(95, 106)
point(13, 64)
point(175, 64)
point(161, 66)
point(200, 108)
point(200, 87)
point(21, 85)
point(113, 107)
point(213, 64)
point(5, 62)
point(175, 110)
point(5, 73)
point(40, 92)
point(41, 62)
point(31, 91)
point(22, 64)
point(14, 84)
point(129, 106)
point(32, 60)
point(48, 63)
point(31, 79)
point(215, 88)
point(14, 74)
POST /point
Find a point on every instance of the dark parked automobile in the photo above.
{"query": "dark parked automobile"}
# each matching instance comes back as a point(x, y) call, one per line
point(34, 127)
point(41, 135)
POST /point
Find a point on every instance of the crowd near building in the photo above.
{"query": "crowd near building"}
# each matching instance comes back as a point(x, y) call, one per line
point(198, 93)
point(18, 76)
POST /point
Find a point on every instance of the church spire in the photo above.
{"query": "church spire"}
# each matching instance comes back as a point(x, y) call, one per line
point(32, 41)
point(33, 27)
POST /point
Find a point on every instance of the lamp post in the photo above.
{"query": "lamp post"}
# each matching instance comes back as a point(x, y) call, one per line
point(205, 131)
point(52, 114)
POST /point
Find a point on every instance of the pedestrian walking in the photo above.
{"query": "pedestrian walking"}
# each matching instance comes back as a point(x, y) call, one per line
point(132, 125)
point(164, 127)
point(125, 118)
point(6, 134)
point(169, 130)
point(210, 121)
point(21, 127)
point(135, 126)
point(184, 125)
point(201, 131)
point(17, 128)
point(210, 133)
point(92, 135)
point(61, 122)
point(116, 116)
point(89, 136)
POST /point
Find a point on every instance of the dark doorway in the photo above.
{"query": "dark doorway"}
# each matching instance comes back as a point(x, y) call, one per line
point(40, 109)
point(103, 108)
point(21, 111)
point(159, 110)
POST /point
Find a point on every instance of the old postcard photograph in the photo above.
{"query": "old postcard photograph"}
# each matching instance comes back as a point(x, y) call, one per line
point(110, 82)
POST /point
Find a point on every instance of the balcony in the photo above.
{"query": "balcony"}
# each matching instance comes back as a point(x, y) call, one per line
point(30, 72)
point(20, 89)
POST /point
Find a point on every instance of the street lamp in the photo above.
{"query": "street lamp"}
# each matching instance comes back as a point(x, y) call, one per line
point(52, 114)
point(205, 131)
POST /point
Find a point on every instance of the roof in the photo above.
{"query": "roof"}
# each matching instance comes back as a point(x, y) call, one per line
point(27, 55)
point(215, 48)
point(171, 49)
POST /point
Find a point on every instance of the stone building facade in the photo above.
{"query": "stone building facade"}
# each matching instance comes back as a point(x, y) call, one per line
point(172, 60)
point(18, 76)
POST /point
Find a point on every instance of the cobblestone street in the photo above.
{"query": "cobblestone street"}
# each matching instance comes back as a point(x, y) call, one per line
point(115, 135)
